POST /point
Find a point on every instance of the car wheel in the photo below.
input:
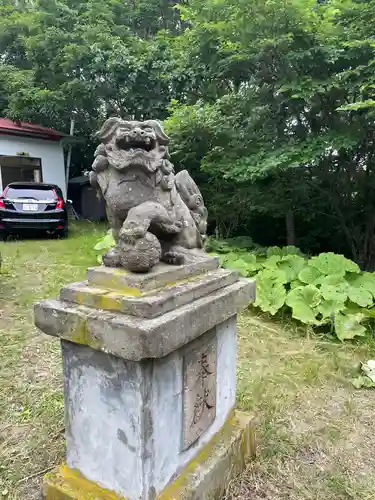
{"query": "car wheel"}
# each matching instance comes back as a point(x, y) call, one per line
point(60, 233)
point(63, 233)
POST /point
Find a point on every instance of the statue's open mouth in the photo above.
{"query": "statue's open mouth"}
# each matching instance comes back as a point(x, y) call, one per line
point(136, 145)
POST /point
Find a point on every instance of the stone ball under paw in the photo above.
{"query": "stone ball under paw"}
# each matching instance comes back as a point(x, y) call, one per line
point(112, 258)
point(139, 255)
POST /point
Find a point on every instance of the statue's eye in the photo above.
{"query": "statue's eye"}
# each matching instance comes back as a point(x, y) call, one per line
point(148, 129)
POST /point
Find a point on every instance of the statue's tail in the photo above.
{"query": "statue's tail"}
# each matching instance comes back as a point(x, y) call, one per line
point(100, 165)
point(193, 199)
point(93, 177)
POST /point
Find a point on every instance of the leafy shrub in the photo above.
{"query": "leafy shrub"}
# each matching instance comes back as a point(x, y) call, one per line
point(104, 244)
point(237, 244)
point(326, 290)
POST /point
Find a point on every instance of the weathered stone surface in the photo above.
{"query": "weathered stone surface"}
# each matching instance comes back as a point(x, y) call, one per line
point(135, 338)
point(146, 417)
point(134, 284)
point(64, 483)
point(154, 214)
point(103, 406)
point(167, 398)
point(124, 419)
point(205, 478)
point(150, 304)
point(199, 395)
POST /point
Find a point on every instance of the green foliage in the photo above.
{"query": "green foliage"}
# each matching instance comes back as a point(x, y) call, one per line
point(304, 301)
point(278, 112)
point(271, 292)
point(368, 379)
point(323, 291)
point(269, 104)
point(93, 58)
point(348, 326)
point(104, 244)
point(330, 264)
point(362, 381)
point(230, 245)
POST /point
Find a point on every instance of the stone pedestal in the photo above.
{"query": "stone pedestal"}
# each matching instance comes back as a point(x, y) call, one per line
point(150, 380)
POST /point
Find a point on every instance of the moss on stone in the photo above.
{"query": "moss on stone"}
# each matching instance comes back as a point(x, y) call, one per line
point(67, 484)
point(103, 299)
point(224, 456)
point(184, 487)
point(81, 335)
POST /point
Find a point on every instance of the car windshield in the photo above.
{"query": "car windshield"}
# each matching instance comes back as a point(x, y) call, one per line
point(40, 193)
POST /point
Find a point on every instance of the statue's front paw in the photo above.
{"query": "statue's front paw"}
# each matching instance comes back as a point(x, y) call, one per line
point(133, 229)
point(173, 228)
point(173, 257)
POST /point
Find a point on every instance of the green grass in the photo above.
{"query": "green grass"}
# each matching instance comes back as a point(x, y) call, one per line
point(314, 429)
point(31, 399)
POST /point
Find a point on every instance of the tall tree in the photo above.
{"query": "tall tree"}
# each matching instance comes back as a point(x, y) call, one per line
point(93, 58)
point(283, 91)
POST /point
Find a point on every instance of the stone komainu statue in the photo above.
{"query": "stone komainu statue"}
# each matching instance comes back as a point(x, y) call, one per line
point(154, 214)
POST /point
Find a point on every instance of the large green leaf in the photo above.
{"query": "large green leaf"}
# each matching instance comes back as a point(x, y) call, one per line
point(106, 243)
point(271, 292)
point(367, 380)
point(309, 275)
point(369, 369)
point(363, 381)
point(334, 280)
point(272, 251)
point(348, 326)
point(295, 284)
point(327, 308)
point(360, 296)
point(291, 265)
point(291, 250)
point(272, 262)
point(253, 265)
point(365, 281)
point(238, 265)
point(303, 301)
point(334, 288)
point(331, 263)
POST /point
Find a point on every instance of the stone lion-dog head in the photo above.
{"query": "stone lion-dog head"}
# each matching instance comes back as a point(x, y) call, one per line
point(126, 144)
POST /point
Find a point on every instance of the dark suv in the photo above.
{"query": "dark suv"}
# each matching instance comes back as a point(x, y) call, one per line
point(32, 206)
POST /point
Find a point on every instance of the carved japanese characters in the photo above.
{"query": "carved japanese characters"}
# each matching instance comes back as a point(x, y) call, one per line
point(199, 395)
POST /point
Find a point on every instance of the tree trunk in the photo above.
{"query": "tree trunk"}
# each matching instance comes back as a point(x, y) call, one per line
point(290, 228)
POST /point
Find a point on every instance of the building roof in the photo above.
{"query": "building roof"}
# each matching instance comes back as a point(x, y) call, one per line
point(18, 128)
point(81, 180)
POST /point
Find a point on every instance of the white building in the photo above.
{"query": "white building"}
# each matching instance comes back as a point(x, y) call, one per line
point(30, 153)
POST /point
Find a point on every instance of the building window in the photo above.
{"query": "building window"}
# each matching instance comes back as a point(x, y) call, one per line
point(19, 169)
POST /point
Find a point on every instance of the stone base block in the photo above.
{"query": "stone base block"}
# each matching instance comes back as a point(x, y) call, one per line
point(67, 484)
point(205, 477)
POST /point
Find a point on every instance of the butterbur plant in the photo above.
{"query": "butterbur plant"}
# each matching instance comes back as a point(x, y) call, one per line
point(328, 289)
point(104, 244)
